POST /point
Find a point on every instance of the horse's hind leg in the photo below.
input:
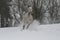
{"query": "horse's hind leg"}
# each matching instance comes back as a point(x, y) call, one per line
point(27, 26)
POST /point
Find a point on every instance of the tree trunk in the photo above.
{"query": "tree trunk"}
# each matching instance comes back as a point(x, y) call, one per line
point(7, 24)
point(2, 21)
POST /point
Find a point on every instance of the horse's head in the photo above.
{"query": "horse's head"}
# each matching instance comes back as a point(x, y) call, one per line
point(29, 11)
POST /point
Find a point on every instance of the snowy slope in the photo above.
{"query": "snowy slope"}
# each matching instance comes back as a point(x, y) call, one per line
point(35, 32)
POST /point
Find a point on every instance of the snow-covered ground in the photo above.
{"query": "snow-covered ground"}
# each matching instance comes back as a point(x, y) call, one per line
point(35, 32)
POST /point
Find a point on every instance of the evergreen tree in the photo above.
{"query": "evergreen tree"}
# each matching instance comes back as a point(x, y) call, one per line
point(36, 11)
point(4, 12)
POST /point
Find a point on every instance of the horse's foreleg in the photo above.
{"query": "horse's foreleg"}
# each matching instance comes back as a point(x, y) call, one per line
point(23, 27)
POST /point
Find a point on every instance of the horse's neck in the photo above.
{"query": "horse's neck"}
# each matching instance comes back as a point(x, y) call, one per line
point(26, 14)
